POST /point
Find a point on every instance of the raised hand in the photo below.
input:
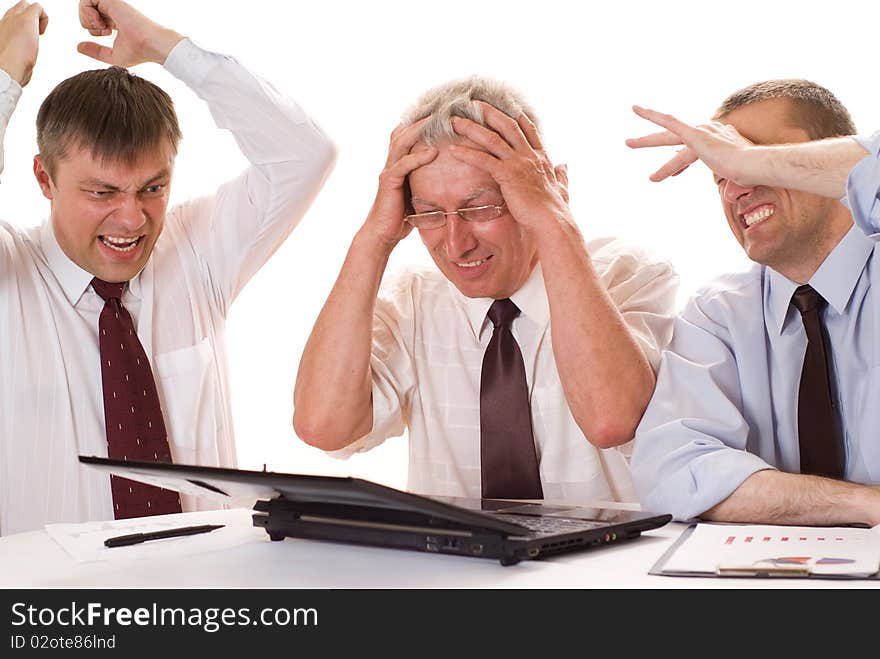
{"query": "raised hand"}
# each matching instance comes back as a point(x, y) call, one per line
point(20, 30)
point(138, 39)
point(512, 153)
point(385, 220)
point(718, 145)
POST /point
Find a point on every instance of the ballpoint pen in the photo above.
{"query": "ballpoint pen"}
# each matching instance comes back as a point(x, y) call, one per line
point(136, 538)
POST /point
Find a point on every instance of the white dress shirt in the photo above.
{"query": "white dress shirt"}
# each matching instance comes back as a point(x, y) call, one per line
point(428, 345)
point(50, 377)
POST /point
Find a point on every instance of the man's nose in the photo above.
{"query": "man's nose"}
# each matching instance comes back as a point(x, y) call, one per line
point(129, 214)
point(459, 236)
point(733, 191)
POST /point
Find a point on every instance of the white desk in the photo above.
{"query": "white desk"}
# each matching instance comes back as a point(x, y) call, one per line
point(242, 556)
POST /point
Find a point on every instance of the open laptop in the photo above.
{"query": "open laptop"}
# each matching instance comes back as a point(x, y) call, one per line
point(353, 510)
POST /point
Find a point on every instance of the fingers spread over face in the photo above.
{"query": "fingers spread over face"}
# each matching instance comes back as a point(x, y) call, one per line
point(676, 165)
point(663, 138)
point(666, 121)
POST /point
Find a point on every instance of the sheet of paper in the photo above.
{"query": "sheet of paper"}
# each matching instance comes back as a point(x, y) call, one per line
point(821, 550)
point(85, 541)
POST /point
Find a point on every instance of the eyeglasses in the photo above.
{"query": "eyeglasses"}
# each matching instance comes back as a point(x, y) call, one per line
point(437, 219)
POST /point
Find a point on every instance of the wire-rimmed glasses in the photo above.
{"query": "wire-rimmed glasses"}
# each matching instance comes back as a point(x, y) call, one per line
point(437, 219)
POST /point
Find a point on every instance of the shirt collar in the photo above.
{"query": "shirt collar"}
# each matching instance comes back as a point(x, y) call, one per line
point(531, 299)
point(835, 280)
point(73, 279)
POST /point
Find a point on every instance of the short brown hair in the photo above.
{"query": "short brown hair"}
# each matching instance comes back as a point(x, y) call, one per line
point(117, 115)
point(814, 109)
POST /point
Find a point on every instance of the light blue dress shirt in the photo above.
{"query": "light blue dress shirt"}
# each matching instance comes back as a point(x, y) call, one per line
point(725, 405)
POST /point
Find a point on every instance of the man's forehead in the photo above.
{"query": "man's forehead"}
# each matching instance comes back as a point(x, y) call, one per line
point(770, 121)
point(464, 198)
point(87, 163)
point(446, 176)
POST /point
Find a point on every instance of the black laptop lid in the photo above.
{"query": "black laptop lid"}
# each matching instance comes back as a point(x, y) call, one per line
point(228, 484)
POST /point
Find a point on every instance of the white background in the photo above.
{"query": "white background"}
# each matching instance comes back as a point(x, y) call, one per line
point(356, 66)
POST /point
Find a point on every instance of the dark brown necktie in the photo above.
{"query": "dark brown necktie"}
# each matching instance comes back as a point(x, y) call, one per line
point(818, 433)
point(132, 415)
point(508, 462)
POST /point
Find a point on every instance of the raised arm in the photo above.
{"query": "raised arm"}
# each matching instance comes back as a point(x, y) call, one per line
point(20, 30)
point(606, 377)
point(820, 167)
point(138, 39)
point(237, 229)
point(333, 394)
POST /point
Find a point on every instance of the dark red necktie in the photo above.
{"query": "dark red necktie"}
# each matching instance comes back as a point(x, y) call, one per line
point(509, 465)
point(818, 434)
point(132, 415)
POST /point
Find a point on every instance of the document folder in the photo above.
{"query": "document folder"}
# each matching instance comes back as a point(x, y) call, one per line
point(734, 550)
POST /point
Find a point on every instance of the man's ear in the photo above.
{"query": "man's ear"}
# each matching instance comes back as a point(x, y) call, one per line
point(43, 178)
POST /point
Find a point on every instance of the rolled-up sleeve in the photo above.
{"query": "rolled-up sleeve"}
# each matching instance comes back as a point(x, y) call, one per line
point(392, 370)
point(644, 290)
point(690, 447)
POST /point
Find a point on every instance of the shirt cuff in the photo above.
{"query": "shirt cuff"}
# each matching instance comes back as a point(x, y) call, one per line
point(10, 92)
point(190, 63)
point(707, 481)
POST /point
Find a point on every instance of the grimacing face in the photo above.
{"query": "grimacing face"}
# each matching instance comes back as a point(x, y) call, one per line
point(780, 228)
point(106, 215)
point(490, 259)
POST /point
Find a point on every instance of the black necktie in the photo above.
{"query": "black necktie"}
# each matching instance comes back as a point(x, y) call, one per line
point(132, 414)
point(509, 465)
point(818, 433)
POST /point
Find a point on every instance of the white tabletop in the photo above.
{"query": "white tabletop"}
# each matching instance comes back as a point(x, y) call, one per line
point(241, 555)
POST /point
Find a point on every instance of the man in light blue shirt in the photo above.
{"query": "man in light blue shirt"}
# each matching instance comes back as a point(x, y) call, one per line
point(720, 437)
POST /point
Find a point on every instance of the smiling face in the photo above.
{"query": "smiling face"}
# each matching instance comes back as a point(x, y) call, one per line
point(787, 230)
point(490, 259)
point(107, 215)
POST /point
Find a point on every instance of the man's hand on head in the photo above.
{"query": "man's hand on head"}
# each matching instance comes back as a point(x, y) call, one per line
point(727, 153)
point(20, 30)
point(385, 222)
point(512, 153)
point(138, 39)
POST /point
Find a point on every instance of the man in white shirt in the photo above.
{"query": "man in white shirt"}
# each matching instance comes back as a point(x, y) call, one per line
point(468, 168)
point(108, 193)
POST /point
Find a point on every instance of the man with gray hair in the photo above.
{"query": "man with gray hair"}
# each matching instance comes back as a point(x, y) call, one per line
point(461, 356)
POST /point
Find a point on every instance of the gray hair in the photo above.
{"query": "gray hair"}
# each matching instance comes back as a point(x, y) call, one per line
point(456, 99)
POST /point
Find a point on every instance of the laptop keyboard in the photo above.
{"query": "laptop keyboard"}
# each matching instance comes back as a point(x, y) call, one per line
point(549, 525)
